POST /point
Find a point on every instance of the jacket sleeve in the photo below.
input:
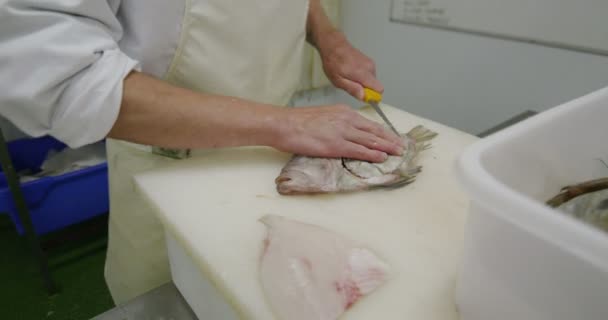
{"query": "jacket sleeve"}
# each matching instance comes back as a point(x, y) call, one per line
point(61, 71)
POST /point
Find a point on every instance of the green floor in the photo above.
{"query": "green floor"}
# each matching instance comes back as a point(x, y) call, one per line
point(76, 258)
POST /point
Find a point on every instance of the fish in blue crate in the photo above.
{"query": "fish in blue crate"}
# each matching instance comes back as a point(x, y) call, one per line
point(61, 186)
point(67, 160)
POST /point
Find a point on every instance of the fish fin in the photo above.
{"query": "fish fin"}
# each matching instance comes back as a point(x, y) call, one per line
point(393, 184)
point(421, 146)
point(420, 134)
point(410, 171)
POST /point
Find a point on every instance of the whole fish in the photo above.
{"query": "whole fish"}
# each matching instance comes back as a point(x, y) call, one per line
point(308, 272)
point(303, 175)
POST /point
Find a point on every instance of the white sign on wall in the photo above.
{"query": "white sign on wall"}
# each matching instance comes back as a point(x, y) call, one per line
point(580, 25)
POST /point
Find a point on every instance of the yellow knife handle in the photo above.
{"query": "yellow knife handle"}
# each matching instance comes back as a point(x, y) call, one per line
point(371, 95)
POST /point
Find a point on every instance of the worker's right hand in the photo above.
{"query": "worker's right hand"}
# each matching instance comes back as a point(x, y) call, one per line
point(335, 131)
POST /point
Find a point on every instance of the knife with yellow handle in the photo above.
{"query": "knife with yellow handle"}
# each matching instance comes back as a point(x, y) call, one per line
point(373, 98)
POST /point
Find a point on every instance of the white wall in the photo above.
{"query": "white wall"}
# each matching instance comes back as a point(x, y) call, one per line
point(468, 82)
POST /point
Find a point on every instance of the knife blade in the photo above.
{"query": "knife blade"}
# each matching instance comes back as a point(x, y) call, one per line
point(373, 98)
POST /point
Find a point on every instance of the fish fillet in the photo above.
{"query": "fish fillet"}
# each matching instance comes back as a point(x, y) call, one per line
point(310, 273)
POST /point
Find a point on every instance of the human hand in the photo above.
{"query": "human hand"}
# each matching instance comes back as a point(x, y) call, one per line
point(335, 131)
point(346, 67)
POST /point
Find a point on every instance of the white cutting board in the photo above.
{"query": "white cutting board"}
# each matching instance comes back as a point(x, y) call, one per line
point(212, 202)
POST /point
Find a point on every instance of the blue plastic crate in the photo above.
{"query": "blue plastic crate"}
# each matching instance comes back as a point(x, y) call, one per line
point(59, 201)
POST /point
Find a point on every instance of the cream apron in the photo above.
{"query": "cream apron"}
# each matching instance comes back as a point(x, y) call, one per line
point(242, 48)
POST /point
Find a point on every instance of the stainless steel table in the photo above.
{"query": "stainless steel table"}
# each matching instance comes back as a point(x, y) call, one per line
point(162, 303)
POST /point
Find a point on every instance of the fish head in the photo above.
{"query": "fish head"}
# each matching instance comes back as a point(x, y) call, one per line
point(308, 175)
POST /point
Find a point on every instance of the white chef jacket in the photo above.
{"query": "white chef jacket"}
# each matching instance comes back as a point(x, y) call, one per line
point(62, 62)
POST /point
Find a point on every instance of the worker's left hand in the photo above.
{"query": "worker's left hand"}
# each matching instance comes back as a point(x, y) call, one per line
point(347, 67)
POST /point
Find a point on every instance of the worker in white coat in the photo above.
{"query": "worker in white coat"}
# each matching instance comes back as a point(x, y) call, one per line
point(178, 74)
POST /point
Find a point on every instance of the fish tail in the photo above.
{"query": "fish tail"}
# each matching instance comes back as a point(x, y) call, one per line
point(420, 134)
point(412, 171)
point(403, 181)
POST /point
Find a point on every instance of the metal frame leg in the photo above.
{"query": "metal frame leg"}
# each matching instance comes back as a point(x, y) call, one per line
point(24, 215)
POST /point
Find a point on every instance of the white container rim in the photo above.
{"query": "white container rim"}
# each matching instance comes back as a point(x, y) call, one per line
point(580, 239)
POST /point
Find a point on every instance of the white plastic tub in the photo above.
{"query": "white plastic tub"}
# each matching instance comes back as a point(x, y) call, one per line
point(522, 259)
